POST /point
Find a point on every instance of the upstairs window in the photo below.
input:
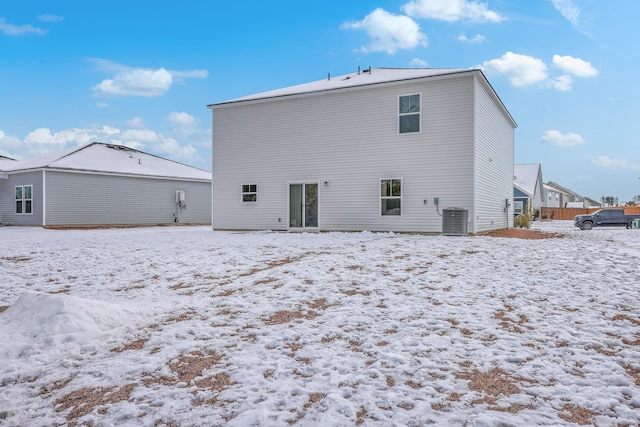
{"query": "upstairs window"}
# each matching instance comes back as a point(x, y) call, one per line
point(409, 114)
point(249, 193)
point(391, 196)
point(24, 202)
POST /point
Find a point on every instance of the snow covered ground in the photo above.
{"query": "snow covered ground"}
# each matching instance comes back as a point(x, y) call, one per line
point(182, 326)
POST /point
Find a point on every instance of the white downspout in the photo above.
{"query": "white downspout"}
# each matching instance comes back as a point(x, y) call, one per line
point(44, 198)
point(474, 178)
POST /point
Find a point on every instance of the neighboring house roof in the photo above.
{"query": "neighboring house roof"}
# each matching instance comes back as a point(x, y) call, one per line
point(526, 177)
point(592, 202)
point(109, 158)
point(561, 189)
point(363, 79)
point(4, 163)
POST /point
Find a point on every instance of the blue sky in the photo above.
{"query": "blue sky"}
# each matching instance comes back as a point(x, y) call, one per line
point(141, 73)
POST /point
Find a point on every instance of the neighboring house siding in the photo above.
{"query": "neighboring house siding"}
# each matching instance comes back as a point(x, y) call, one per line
point(7, 198)
point(539, 196)
point(494, 154)
point(552, 199)
point(101, 199)
point(351, 141)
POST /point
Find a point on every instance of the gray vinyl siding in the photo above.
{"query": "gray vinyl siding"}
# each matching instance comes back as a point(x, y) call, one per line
point(351, 141)
point(493, 162)
point(76, 199)
point(7, 198)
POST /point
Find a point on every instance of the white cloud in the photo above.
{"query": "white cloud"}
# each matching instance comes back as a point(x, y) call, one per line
point(561, 83)
point(477, 39)
point(139, 136)
point(522, 70)
point(49, 18)
point(621, 163)
point(136, 122)
point(181, 119)
point(102, 105)
point(18, 30)
point(108, 130)
point(570, 11)
point(451, 10)
point(44, 136)
point(136, 82)
point(417, 62)
point(136, 135)
point(10, 146)
point(564, 140)
point(129, 81)
point(575, 66)
point(388, 32)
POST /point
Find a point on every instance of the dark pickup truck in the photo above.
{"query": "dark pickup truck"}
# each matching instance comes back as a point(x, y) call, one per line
point(604, 218)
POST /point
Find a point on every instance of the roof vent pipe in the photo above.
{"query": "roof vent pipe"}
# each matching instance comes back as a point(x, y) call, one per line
point(369, 69)
point(358, 69)
point(328, 76)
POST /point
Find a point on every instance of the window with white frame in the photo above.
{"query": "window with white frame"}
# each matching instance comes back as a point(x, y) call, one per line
point(24, 199)
point(409, 113)
point(249, 193)
point(391, 196)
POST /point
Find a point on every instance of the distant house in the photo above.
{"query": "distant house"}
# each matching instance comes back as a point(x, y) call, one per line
point(564, 197)
point(528, 187)
point(552, 197)
point(379, 150)
point(102, 184)
point(592, 203)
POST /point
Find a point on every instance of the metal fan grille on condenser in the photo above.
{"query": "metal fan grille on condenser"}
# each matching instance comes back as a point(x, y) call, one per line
point(454, 221)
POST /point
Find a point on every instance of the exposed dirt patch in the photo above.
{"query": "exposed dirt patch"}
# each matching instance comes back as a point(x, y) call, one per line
point(413, 384)
point(634, 373)
point(57, 385)
point(494, 383)
point(512, 409)
point(625, 317)
point(286, 316)
point(360, 415)
point(3, 308)
point(509, 324)
point(218, 382)
point(85, 400)
point(313, 398)
point(524, 233)
point(16, 258)
point(134, 345)
point(578, 415)
point(181, 317)
point(319, 304)
point(189, 366)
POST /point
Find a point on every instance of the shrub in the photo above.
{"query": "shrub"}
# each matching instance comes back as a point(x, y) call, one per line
point(524, 219)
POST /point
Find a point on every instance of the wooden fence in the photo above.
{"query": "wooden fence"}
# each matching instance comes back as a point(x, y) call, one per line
point(569, 213)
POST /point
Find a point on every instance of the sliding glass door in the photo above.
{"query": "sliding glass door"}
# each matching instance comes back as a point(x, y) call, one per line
point(303, 205)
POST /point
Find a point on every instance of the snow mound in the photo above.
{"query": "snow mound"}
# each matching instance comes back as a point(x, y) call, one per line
point(37, 321)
